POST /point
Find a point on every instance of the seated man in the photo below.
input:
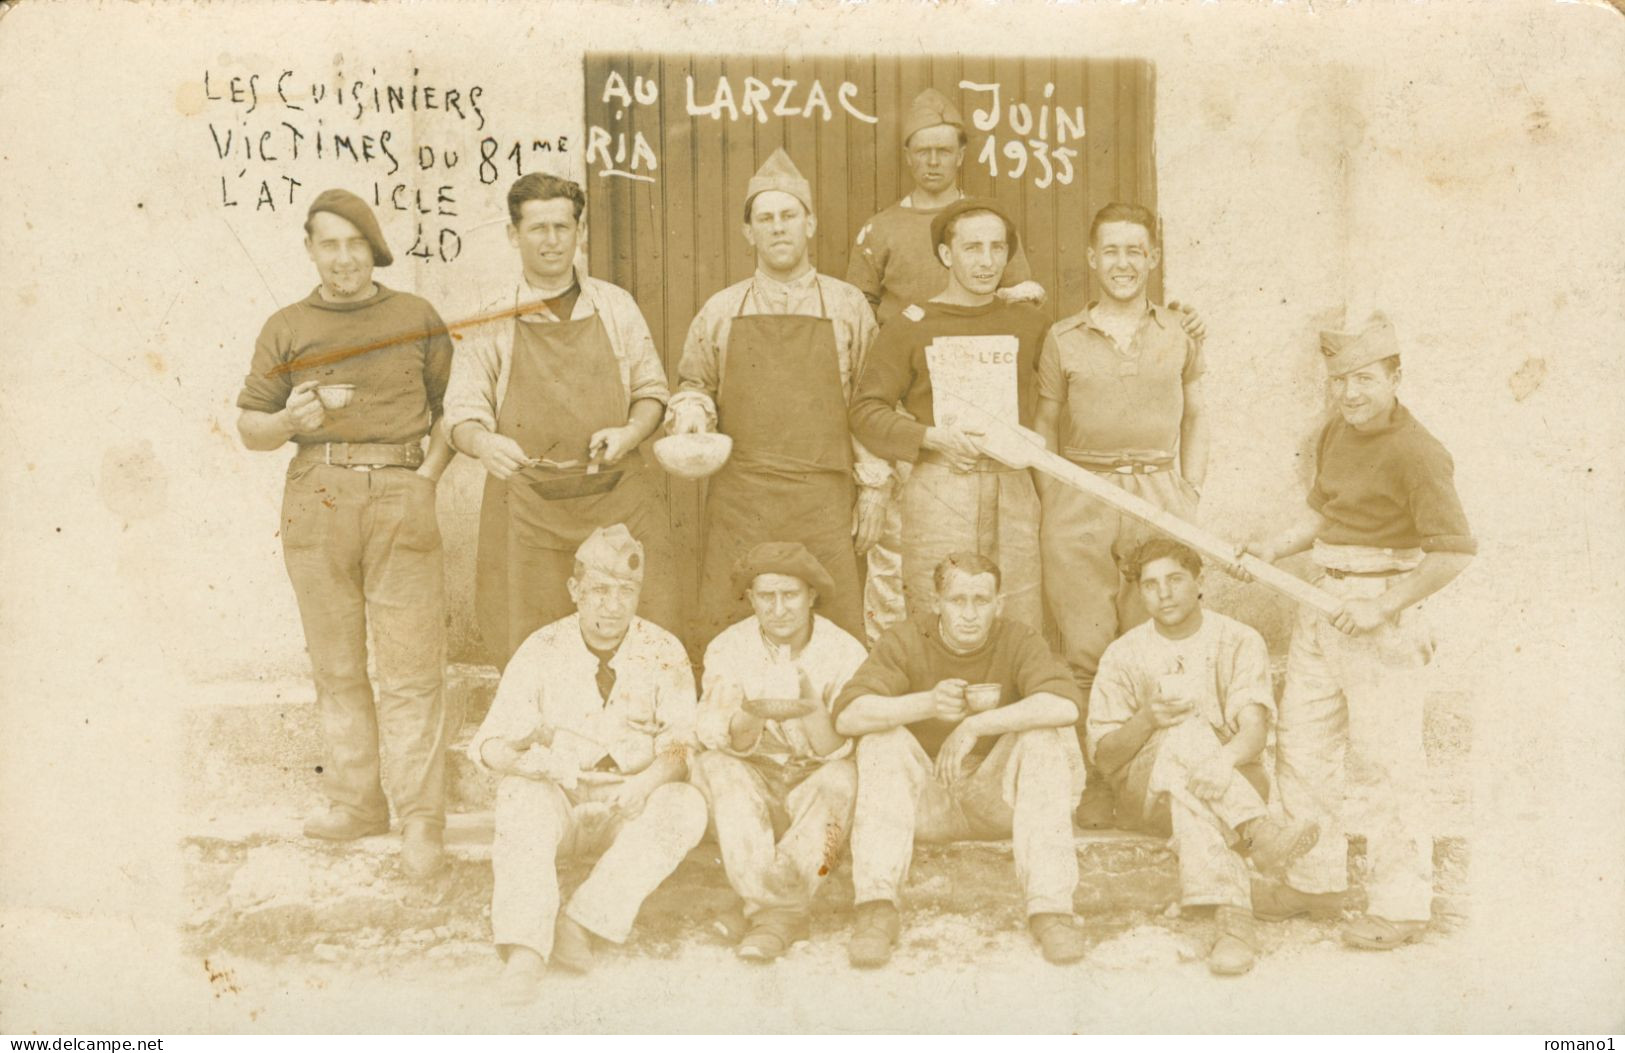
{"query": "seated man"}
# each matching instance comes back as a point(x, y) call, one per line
point(789, 778)
point(1178, 715)
point(590, 729)
point(967, 734)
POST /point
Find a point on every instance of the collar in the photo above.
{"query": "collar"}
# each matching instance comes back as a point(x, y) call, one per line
point(1398, 417)
point(316, 299)
point(934, 631)
point(524, 295)
point(1084, 319)
point(908, 202)
point(773, 286)
point(773, 650)
point(578, 643)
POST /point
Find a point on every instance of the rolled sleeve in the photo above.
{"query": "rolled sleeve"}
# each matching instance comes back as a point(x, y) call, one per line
point(517, 708)
point(1112, 700)
point(699, 370)
point(1247, 682)
point(476, 372)
point(646, 377)
point(720, 700)
point(1051, 374)
point(264, 389)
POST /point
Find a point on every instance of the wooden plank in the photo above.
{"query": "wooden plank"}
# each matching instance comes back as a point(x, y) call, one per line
point(1071, 199)
point(713, 218)
point(861, 147)
point(1008, 188)
point(913, 77)
point(1145, 157)
point(888, 131)
point(1101, 135)
point(974, 177)
point(836, 202)
point(801, 133)
point(648, 240)
point(600, 256)
point(679, 213)
point(1038, 203)
point(771, 134)
point(739, 150)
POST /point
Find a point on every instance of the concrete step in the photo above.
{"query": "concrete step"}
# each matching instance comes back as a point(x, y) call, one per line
point(257, 888)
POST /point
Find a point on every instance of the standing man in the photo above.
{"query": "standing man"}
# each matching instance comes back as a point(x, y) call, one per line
point(963, 346)
point(591, 730)
point(771, 361)
point(573, 377)
point(939, 765)
point(1120, 393)
point(1387, 531)
point(359, 534)
point(1181, 708)
point(894, 261)
point(781, 789)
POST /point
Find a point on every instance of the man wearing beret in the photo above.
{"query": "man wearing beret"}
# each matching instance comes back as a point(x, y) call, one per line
point(781, 788)
point(963, 349)
point(771, 361)
point(359, 534)
point(1119, 393)
point(894, 262)
point(590, 730)
point(567, 375)
point(1387, 530)
point(966, 733)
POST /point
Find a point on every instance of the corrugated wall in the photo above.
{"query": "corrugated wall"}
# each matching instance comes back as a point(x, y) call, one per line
point(670, 233)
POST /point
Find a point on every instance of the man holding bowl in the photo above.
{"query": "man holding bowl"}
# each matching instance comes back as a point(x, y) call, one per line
point(933, 764)
point(354, 375)
point(779, 778)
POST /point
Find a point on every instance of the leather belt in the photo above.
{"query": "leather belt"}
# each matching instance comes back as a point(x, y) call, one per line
point(362, 454)
point(1333, 572)
point(1121, 465)
point(983, 464)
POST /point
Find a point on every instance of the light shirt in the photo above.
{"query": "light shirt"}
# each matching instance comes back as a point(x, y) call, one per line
point(705, 351)
point(553, 679)
point(484, 359)
point(740, 663)
point(1227, 660)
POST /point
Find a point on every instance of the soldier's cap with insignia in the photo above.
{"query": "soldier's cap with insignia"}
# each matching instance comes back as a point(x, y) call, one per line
point(939, 223)
point(783, 557)
point(614, 551)
point(1346, 351)
point(778, 172)
point(346, 205)
point(929, 109)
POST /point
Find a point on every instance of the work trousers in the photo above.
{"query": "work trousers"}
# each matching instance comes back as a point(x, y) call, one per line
point(764, 811)
point(1350, 754)
point(883, 598)
point(363, 551)
point(1023, 789)
point(1155, 790)
point(536, 822)
point(993, 513)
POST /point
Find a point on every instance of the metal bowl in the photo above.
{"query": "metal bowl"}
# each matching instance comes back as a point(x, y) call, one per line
point(693, 456)
point(983, 696)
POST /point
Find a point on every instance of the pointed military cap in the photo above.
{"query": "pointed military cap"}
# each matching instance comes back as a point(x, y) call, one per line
point(614, 551)
point(778, 172)
point(929, 109)
point(1346, 351)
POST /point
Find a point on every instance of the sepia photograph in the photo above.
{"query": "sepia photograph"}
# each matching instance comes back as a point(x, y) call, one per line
point(591, 517)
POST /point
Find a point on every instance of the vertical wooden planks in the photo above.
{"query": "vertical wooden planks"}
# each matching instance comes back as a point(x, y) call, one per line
point(829, 179)
point(861, 148)
point(1072, 213)
point(888, 131)
point(1038, 203)
point(974, 177)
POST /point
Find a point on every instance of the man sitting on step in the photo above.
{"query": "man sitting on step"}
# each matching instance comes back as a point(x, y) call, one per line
point(785, 776)
point(591, 729)
point(1178, 715)
point(967, 724)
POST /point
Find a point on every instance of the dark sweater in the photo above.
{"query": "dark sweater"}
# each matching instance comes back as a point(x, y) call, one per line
point(911, 657)
point(398, 387)
point(1392, 487)
point(896, 371)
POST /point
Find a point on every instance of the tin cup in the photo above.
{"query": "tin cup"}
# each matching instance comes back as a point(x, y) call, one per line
point(335, 396)
point(982, 697)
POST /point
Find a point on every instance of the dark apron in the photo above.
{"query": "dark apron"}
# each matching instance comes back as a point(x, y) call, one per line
point(564, 384)
point(789, 477)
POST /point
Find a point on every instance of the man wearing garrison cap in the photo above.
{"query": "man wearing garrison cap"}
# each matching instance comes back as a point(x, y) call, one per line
point(894, 261)
point(353, 375)
point(1386, 529)
point(781, 786)
point(771, 361)
point(590, 733)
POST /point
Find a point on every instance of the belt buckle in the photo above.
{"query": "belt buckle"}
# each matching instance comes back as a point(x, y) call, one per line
point(1123, 468)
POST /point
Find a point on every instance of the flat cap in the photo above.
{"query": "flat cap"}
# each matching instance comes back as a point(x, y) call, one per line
point(929, 109)
point(348, 206)
point(778, 172)
point(614, 551)
point(783, 557)
point(939, 223)
point(1346, 351)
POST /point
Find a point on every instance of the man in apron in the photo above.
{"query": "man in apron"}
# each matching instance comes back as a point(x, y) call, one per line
point(1388, 531)
point(568, 379)
point(1119, 394)
point(359, 534)
point(895, 264)
point(964, 347)
point(771, 361)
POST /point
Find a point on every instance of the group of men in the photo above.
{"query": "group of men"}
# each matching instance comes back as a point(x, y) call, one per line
point(919, 700)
